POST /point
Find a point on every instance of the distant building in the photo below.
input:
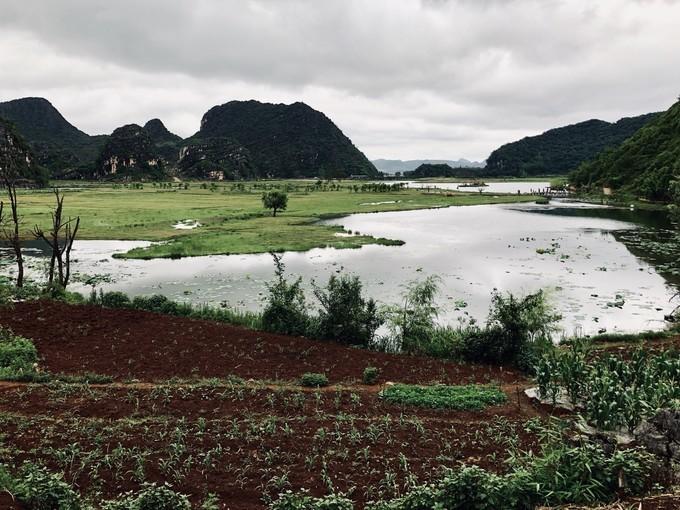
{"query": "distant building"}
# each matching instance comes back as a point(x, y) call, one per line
point(358, 177)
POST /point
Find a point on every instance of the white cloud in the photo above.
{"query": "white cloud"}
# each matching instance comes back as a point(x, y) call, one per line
point(402, 78)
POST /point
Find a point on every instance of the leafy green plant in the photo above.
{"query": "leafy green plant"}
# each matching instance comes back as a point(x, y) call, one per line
point(16, 352)
point(38, 489)
point(285, 309)
point(471, 397)
point(613, 393)
point(517, 332)
point(313, 380)
point(116, 300)
point(370, 375)
point(345, 315)
point(150, 497)
point(413, 323)
point(303, 501)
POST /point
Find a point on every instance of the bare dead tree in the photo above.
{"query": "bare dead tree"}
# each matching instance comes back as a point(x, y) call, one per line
point(60, 240)
point(10, 229)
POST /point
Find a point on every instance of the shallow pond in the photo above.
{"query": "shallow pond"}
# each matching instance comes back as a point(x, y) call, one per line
point(573, 251)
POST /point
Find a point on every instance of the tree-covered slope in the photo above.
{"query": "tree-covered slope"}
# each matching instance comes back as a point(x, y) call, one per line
point(216, 158)
point(56, 144)
point(286, 140)
point(17, 163)
point(442, 170)
point(129, 154)
point(561, 150)
point(167, 144)
point(644, 165)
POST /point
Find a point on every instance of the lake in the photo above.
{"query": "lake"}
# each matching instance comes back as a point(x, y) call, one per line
point(491, 187)
point(585, 257)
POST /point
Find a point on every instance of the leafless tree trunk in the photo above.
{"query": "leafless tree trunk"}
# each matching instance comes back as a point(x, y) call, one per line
point(11, 232)
point(61, 248)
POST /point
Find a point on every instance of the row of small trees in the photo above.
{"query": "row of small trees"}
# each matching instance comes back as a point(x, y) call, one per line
point(517, 331)
point(15, 161)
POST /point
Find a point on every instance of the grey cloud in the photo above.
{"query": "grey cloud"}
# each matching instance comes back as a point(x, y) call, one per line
point(407, 76)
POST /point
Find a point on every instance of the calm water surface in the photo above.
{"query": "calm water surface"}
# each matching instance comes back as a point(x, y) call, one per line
point(592, 278)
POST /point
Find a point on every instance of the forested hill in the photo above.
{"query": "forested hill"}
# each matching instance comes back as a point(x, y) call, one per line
point(561, 150)
point(644, 165)
point(426, 170)
point(56, 144)
point(239, 139)
point(286, 140)
point(17, 163)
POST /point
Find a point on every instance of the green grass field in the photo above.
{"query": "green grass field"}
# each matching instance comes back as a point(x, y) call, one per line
point(232, 221)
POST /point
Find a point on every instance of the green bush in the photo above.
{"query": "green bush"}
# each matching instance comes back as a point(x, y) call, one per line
point(155, 303)
point(412, 325)
point(473, 488)
point(313, 380)
point(150, 497)
point(285, 310)
point(38, 489)
point(114, 300)
point(471, 397)
point(345, 316)
point(303, 501)
point(518, 331)
point(16, 353)
point(370, 375)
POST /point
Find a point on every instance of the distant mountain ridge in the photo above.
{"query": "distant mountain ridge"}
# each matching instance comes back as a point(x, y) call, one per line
point(561, 150)
point(391, 166)
point(55, 142)
point(237, 139)
point(647, 165)
point(286, 140)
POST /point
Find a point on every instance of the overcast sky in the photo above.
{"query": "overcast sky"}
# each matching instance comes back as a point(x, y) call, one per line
point(402, 78)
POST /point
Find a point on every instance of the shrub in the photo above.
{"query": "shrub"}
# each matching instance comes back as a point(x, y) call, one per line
point(345, 316)
point(155, 303)
point(313, 380)
point(16, 353)
point(413, 324)
point(153, 497)
point(303, 501)
point(285, 310)
point(38, 489)
point(114, 300)
point(150, 497)
point(370, 375)
point(518, 331)
point(471, 397)
point(472, 487)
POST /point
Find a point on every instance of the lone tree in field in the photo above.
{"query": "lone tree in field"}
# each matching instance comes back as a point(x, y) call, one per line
point(60, 239)
point(15, 160)
point(275, 200)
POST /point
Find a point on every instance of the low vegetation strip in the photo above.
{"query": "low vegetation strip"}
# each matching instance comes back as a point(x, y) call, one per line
point(462, 398)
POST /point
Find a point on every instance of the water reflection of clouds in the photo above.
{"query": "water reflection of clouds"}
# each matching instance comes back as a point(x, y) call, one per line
point(473, 249)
